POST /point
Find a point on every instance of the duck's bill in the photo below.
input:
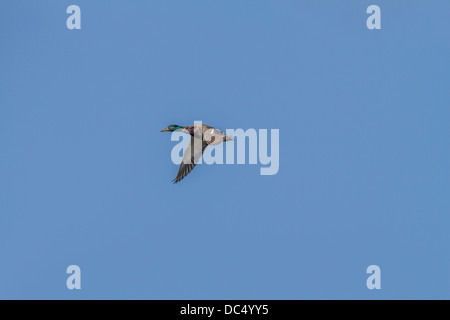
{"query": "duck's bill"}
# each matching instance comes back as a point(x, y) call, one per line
point(166, 129)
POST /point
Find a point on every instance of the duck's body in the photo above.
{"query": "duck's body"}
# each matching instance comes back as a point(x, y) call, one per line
point(202, 136)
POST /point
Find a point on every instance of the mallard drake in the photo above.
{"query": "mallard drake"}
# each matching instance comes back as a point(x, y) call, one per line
point(202, 136)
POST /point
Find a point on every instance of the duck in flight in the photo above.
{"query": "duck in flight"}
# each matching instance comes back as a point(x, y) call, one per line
point(202, 136)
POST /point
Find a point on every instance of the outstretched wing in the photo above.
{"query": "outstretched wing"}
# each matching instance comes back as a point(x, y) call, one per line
point(191, 156)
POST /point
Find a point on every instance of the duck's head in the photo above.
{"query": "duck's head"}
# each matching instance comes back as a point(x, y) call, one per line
point(172, 127)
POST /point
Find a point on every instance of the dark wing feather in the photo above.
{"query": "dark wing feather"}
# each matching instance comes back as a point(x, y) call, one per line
point(191, 156)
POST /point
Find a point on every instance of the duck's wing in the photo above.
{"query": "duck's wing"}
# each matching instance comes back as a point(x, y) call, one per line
point(191, 156)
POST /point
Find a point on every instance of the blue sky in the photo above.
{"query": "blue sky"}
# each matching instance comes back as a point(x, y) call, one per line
point(364, 150)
